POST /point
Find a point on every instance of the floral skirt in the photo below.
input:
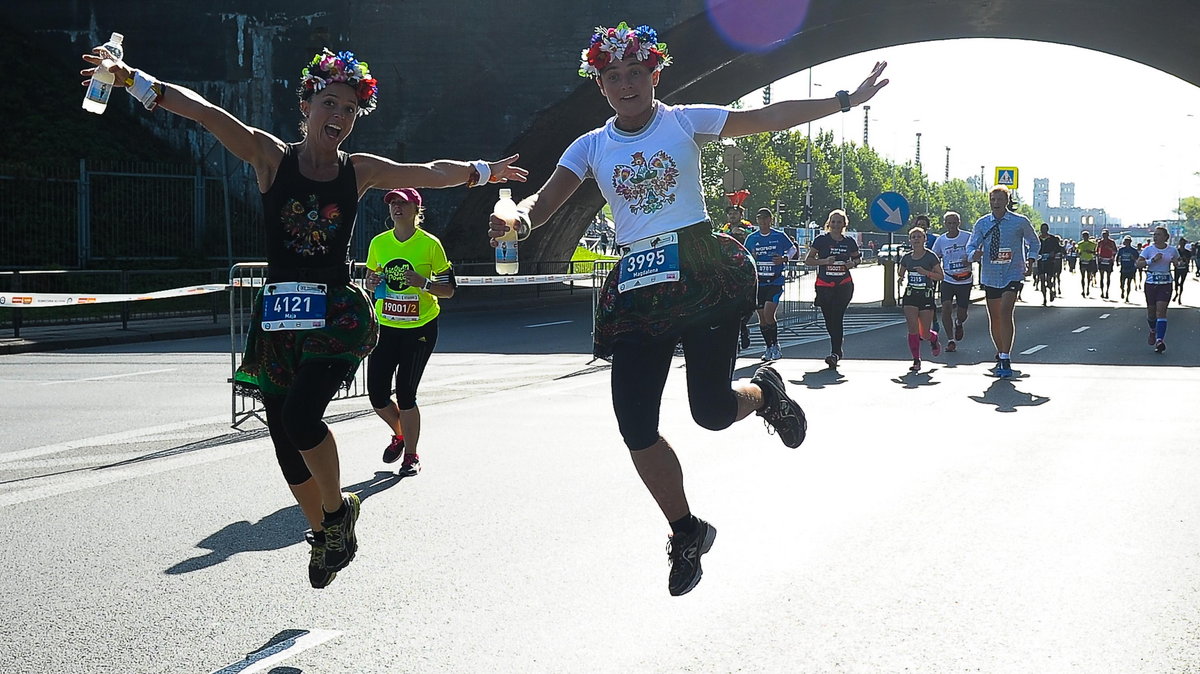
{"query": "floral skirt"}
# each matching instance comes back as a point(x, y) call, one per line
point(271, 359)
point(717, 282)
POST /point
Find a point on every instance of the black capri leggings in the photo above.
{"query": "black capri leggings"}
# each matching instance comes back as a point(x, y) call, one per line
point(639, 373)
point(294, 420)
point(833, 301)
point(403, 352)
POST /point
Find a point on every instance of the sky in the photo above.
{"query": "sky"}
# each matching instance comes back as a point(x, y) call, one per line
point(1123, 132)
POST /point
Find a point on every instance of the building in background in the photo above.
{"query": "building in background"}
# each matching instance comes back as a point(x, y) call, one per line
point(1068, 220)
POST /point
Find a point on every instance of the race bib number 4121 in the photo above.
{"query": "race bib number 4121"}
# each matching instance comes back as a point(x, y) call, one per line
point(293, 306)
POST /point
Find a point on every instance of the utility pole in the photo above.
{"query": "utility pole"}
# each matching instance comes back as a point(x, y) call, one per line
point(866, 125)
point(947, 164)
point(918, 149)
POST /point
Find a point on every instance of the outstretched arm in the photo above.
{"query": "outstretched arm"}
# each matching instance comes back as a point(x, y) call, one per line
point(540, 205)
point(374, 171)
point(786, 114)
point(253, 146)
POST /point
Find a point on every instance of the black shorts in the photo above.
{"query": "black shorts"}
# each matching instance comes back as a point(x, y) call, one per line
point(996, 293)
point(1106, 266)
point(921, 301)
point(769, 294)
point(1128, 273)
point(958, 293)
point(1090, 265)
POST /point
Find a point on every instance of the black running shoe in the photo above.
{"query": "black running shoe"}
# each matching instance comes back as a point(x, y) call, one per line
point(683, 553)
point(832, 360)
point(781, 413)
point(340, 541)
point(394, 449)
point(745, 336)
point(1160, 346)
point(318, 576)
point(410, 467)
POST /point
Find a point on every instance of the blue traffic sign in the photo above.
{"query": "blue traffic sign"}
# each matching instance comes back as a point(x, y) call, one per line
point(889, 211)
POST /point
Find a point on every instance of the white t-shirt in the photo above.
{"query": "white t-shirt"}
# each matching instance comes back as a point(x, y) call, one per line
point(1159, 272)
point(651, 178)
point(953, 253)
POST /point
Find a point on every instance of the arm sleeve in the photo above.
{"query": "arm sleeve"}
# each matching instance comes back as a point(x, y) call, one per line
point(973, 242)
point(576, 158)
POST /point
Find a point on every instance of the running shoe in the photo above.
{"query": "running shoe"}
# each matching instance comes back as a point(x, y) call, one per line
point(1150, 338)
point(777, 352)
point(1004, 368)
point(745, 336)
point(916, 366)
point(832, 360)
point(781, 413)
point(318, 576)
point(1160, 346)
point(340, 542)
point(683, 554)
point(768, 354)
point(936, 347)
point(958, 331)
point(394, 449)
point(951, 346)
point(410, 466)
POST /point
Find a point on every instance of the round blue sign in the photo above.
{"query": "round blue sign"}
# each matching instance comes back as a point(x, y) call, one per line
point(889, 211)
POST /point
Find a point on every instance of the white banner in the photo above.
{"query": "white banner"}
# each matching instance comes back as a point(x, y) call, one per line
point(23, 300)
point(518, 279)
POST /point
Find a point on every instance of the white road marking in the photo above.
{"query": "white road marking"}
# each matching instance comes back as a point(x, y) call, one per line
point(1033, 350)
point(109, 376)
point(1086, 327)
point(275, 653)
point(542, 325)
point(1105, 315)
point(110, 439)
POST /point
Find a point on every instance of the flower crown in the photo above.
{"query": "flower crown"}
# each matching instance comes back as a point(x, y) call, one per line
point(327, 68)
point(614, 44)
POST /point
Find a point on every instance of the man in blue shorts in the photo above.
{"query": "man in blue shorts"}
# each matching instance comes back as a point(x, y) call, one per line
point(771, 249)
point(1127, 257)
point(1005, 245)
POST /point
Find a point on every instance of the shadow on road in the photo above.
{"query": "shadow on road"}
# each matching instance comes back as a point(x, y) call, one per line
point(819, 379)
point(1004, 395)
point(280, 529)
point(913, 380)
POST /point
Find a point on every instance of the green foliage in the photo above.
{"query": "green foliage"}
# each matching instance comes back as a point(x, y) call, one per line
point(770, 169)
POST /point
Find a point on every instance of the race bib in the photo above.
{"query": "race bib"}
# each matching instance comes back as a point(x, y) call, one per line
point(1158, 277)
point(916, 281)
point(293, 306)
point(1106, 262)
point(1004, 256)
point(401, 306)
point(649, 261)
point(1045, 257)
point(768, 269)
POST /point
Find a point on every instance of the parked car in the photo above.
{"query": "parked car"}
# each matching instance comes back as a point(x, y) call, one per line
point(893, 251)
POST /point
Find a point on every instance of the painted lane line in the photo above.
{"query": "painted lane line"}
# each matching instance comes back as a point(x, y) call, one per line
point(121, 437)
point(1105, 315)
point(1078, 330)
point(1034, 350)
point(109, 376)
point(280, 651)
point(542, 325)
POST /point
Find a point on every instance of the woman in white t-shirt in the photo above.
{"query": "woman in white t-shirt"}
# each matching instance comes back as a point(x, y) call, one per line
point(677, 280)
point(1157, 259)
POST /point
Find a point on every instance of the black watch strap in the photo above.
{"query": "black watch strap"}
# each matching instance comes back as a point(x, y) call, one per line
point(843, 98)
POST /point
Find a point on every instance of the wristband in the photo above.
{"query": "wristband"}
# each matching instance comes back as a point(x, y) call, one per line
point(480, 175)
point(145, 89)
point(524, 226)
point(843, 98)
point(428, 285)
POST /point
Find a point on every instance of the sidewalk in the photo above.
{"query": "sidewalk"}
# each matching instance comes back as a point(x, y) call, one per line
point(868, 297)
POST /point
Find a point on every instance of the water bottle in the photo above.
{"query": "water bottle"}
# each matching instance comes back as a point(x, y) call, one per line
point(506, 246)
point(100, 86)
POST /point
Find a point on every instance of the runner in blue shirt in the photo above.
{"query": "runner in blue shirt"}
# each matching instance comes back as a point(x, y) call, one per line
point(1127, 257)
point(771, 249)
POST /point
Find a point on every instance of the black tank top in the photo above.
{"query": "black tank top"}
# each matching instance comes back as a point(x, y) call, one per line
point(309, 223)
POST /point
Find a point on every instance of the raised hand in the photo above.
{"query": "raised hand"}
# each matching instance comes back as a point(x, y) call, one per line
point(870, 86)
point(100, 58)
point(504, 171)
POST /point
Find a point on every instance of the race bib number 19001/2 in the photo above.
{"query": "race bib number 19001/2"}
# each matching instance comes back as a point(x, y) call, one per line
point(293, 306)
point(649, 261)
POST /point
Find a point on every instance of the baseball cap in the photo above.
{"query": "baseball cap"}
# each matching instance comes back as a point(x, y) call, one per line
point(405, 194)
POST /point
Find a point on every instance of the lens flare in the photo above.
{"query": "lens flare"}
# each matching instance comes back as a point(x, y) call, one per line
point(757, 25)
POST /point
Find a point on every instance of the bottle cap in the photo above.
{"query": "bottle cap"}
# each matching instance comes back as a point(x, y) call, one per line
point(116, 37)
point(505, 193)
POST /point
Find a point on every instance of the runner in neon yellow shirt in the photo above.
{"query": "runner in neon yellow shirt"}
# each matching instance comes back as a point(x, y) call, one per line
point(1087, 262)
point(408, 271)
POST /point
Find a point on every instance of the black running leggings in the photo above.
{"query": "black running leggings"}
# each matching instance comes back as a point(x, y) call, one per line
point(403, 352)
point(639, 373)
point(833, 301)
point(294, 420)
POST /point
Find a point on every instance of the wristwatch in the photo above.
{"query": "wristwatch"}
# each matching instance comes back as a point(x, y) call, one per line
point(843, 98)
point(428, 285)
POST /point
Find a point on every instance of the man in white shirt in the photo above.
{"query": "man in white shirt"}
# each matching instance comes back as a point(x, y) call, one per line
point(951, 249)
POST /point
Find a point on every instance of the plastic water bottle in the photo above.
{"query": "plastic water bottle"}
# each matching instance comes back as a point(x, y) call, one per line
point(506, 248)
point(100, 87)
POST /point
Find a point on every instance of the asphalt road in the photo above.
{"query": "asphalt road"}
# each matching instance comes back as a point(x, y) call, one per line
point(937, 522)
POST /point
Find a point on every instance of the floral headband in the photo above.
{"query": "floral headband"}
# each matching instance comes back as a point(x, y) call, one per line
point(614, 44)
point(327, 68)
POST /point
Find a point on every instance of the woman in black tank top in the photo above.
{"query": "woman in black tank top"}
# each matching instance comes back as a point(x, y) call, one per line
point(311, 327)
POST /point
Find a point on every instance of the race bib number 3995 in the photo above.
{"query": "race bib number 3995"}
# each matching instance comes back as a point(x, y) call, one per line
point(293, 306)
point(649, 261)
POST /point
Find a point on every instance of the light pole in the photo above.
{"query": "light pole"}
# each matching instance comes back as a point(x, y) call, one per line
point(918, 150)
point(866, 125)
point(947, 179)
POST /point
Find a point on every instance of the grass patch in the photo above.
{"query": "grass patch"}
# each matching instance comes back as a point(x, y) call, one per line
point(582, 261)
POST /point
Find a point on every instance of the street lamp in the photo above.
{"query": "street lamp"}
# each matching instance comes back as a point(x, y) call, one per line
point(947, 179)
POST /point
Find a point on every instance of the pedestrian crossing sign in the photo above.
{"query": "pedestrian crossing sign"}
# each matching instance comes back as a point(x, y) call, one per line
point(1007, 176)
